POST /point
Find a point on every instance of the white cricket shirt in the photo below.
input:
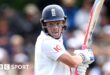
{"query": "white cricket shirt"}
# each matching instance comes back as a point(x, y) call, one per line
point(47, 51)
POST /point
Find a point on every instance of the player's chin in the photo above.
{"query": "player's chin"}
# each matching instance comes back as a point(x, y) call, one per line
point(56, 36)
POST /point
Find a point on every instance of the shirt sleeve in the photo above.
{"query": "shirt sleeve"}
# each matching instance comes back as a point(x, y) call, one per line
point(53, 49)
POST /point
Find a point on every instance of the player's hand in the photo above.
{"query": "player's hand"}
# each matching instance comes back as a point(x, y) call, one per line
point(82, 69)
point(87, 55)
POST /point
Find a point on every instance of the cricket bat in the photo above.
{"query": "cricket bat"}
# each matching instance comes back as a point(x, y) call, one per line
point(93, 17)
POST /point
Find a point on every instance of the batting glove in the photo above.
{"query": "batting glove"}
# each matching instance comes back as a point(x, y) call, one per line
point(87, 55)
point(82, 69)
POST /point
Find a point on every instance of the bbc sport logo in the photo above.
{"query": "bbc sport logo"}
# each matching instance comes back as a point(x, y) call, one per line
point(13, 66)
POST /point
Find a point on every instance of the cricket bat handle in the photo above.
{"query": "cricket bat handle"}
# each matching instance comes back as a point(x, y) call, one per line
point(84, 47)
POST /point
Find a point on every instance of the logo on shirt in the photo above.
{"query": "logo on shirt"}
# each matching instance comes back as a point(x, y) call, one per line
point(57, 48)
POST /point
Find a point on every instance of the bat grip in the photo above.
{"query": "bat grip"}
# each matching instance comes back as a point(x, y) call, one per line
point(84, 47)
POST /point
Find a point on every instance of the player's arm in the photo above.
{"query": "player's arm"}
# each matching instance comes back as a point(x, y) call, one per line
point(77, 58)
point(70, 60)
point(56, 51)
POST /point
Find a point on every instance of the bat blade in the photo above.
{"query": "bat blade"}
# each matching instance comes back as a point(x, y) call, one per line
point(94, 14)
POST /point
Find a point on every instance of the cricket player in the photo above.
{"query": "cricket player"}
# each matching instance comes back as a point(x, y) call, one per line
point(51, 57)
